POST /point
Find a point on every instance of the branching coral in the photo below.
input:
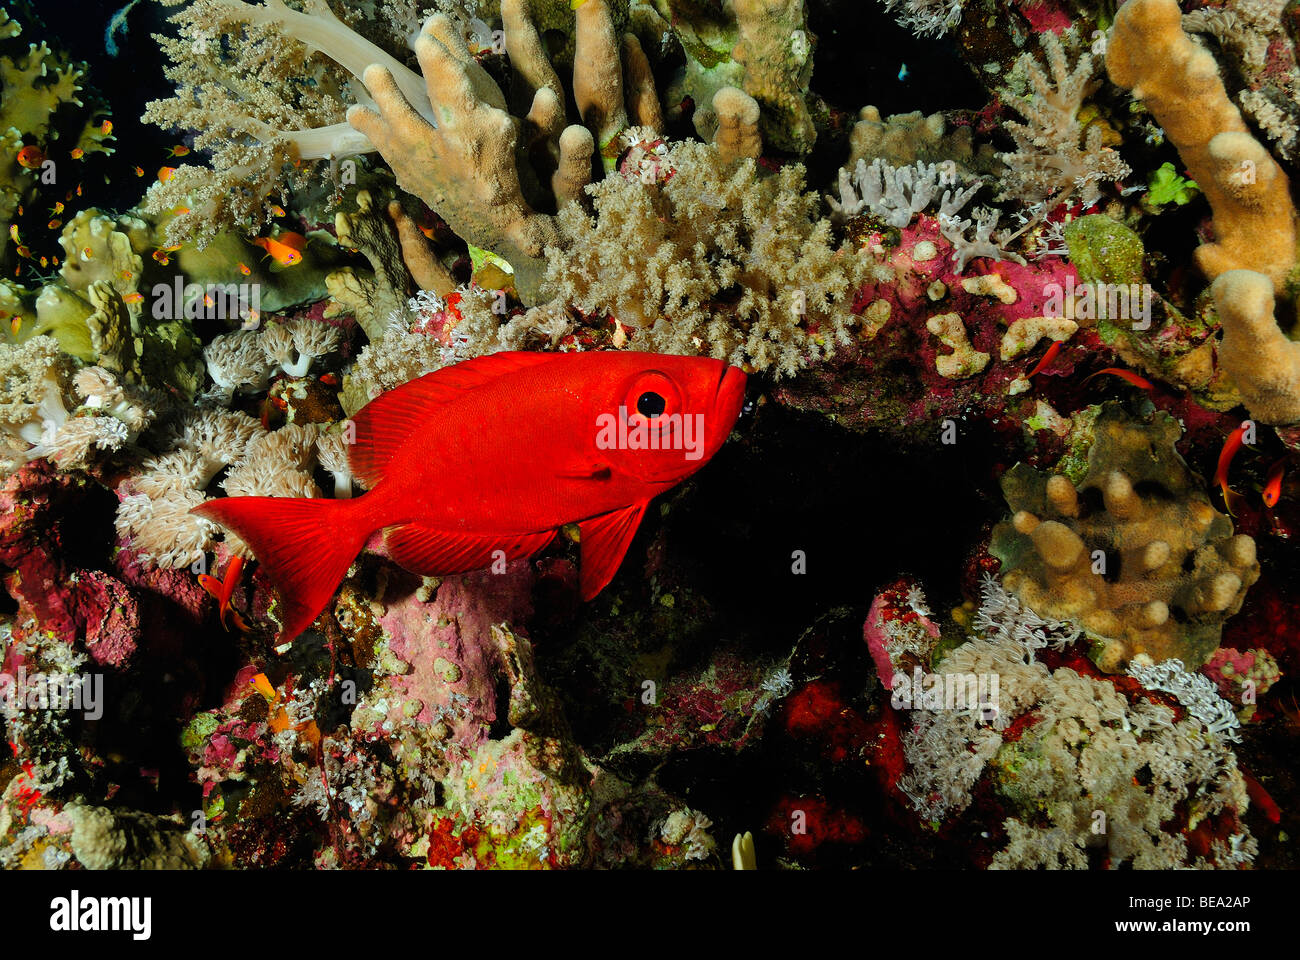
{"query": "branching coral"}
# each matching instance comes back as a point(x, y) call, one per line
point(1134, 551)
point(715, 259)
point(897, 194)
point(926, 18)
point(1056, 158)
point(1178, 81)
point(467, 169)
point(372, 298)
point(254, 117)
point(43, 104)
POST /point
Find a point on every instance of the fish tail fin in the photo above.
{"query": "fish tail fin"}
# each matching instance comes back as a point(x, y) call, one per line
point(1231, 499)
point(305, 545)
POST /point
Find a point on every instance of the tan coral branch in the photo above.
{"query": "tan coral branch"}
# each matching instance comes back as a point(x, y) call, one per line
point(1263, 363)
point(1178, 81)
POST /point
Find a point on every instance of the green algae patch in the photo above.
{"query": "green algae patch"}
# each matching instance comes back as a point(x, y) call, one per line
point(1104, 250)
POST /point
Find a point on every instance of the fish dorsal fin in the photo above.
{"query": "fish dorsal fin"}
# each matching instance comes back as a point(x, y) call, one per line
point(387, 422)
point(605, 540)
point(439, 553)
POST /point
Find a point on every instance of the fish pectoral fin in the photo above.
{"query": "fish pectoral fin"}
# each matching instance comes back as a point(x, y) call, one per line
point(437, 553)
point(605, 540)
point(594, 470)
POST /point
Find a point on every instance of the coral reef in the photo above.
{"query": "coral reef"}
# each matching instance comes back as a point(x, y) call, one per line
point(835, 645)
point(1178, 81)
point(1132, 548)
point(1069, 774)
point(711, 259)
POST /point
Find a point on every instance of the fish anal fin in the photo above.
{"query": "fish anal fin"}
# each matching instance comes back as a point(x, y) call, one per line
point(605, 540)
point(430, 552)
point(387, 422)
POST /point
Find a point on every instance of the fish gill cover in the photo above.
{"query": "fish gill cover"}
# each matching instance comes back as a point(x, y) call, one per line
point(649, 433)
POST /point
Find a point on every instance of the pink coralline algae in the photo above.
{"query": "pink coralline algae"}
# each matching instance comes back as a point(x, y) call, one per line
point(1242, 676)
point(38, 506)
point(453, 675)
point(898, 631)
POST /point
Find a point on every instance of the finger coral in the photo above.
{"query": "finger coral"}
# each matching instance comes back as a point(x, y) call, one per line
point(1132, 549)
point(1263, 361)
point(1178, 81)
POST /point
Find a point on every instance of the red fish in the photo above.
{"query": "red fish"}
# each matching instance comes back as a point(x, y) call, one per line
point(1052, 350)
point(223, 590)
point(1230, 448)
point(31, 157)
point(1273, 484)
point(486, 460)
point(1260, 798)
point(1128, 376)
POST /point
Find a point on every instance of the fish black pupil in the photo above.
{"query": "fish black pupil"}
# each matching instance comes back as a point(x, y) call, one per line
point(650, 404)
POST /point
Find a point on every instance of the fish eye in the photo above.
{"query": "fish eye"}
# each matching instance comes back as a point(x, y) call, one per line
point(650, 404)
point(651, 397)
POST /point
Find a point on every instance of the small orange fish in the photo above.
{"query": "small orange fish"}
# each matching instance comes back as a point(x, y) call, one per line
point(427, 231)
point(54, 224)
point(165, 174)
point(54, 260)
point(31, 157)
point(278, 210)
point(106, 127)
point(179, 210)
point(13, 233)
point(78, 189)
point(263, 686)
point(1230, 448)
point(54, 210)
point(45, 262)
point(1273, 485)
point(1052, 350)
point(23, 252)
point(180, 150)
point(139, 171)
point(134, 297)
point(16, 324)
point(244, 269)
point(126, 276)
point(77, 153)
point(1128, 376)
point(87, 253)
point(222, 590)
point(286, 249)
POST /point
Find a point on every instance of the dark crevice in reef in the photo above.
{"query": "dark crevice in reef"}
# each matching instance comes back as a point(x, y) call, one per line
point(712, 567)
